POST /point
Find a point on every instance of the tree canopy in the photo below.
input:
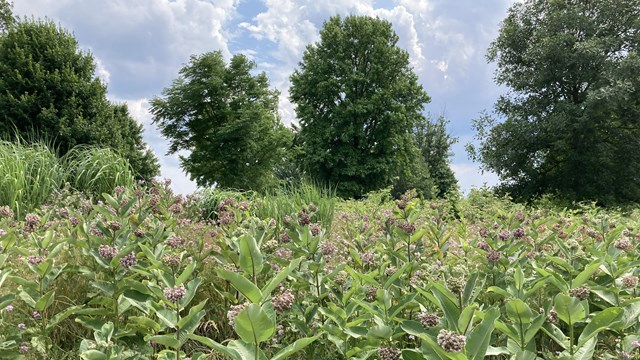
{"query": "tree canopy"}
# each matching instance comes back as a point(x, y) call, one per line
point(357, 102)
point(571, 117)
point(227, 119)
point(48, 88)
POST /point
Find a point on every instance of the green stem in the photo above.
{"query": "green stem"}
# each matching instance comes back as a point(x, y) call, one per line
point(177, 330)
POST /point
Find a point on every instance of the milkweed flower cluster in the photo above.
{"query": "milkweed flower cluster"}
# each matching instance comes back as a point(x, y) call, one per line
point(450, 341)
point(233, 312)
point(108, 252)
point(174, 294)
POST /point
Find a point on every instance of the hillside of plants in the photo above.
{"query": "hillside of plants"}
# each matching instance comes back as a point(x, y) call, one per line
point(141, 273)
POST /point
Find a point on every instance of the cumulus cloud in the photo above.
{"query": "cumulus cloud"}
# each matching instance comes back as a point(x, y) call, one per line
point(144, 42)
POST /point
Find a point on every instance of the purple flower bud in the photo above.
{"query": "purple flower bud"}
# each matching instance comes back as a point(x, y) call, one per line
point(36, 315)
point(22, 327)
point(9, 308)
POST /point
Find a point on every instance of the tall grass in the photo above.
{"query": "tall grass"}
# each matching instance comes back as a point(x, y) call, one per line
point(97, 170)
point(28, 175)
point(290, 199)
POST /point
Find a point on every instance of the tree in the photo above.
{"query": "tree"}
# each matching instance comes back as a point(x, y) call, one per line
point(6, 16)
point(357, 101)
point(226, 118)
point(48, 88)
point(434, 144)
point(571, 121)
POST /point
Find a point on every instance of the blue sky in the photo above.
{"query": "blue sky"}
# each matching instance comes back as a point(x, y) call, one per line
point(140, 46)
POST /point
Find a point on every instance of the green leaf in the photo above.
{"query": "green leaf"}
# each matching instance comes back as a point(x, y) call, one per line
point(246, 351)
point(251, 260)
point(45, 301)
point(186, 273)
point(94, 355)
point(189, 323)
point(166, 340)
point(585, 274)
point(233, 354)
point(570, 310)
point(246, 287)
point(601, 321)
point(518, 311)
point(448, 304)
point(253, 325)
point(466, 317)
point(585, 352)
point(479, 338)
point(294, 348)
point(280, 277)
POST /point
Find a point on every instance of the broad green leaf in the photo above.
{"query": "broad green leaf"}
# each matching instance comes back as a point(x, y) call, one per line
point(466, 317)
point(570, 310)
point(94, 355)
point(233, 354)
point(242, 284)
point(253, 325)
point(186, 273)
point(166, 340)
point(448, 304)
point(251, 260)
point(45, 301)
point(479, 338)
point(519, 312)
point(294, 348)
point(247, 351)
point(585, 274)
point(280, 277)
point(601, 321)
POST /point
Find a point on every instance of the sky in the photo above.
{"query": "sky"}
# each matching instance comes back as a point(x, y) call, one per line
point(140, 45)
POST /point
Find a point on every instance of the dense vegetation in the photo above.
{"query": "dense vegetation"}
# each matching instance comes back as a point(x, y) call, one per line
point(142, 273)
point(571, 114)
point(49, 91)
point(95, 265)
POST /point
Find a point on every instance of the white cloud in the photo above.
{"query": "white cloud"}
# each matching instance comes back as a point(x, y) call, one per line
point(102, 71)
point(470, 176)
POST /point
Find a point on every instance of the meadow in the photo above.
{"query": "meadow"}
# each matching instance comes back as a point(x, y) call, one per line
point(102, 267)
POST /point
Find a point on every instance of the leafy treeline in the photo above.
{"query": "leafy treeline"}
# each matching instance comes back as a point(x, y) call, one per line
point(48, 89)
point(572, 116)
point(359, 107)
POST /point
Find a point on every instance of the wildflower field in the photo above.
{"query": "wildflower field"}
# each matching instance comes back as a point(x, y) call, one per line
point(141, 273)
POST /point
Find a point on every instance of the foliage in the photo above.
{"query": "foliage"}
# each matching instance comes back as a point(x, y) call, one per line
point(141, 274)
point(357, 100)
point(49, 90)
point(570, 118)
point(28, 175)
point(31, 174)
point(227, 118)
point(434, 144)
point(6, 16)
point(97, 170)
